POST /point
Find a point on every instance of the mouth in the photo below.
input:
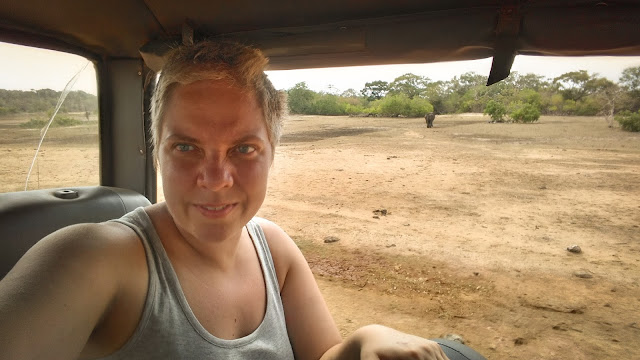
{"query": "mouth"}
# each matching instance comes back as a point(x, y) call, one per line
point(215, 208)
point(215, 211)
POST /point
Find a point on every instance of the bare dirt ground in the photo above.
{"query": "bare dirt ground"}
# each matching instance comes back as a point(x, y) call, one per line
point(478, 220)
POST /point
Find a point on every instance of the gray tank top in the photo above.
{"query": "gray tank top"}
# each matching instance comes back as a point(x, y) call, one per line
point(168, 329)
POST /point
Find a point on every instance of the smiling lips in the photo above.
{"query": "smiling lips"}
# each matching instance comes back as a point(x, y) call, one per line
point(215, 211)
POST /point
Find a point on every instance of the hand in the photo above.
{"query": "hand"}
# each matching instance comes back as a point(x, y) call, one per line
point(383, 343)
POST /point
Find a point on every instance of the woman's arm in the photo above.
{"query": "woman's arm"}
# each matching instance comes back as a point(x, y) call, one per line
point(311, 328)
point(53, 298)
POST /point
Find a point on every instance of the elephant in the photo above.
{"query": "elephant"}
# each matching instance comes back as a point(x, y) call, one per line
point(429, 117)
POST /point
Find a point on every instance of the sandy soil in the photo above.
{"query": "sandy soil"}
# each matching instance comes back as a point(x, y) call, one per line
point(478, 220)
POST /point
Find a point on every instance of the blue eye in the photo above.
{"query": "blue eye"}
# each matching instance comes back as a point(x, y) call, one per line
point(184, 147)
point(245, 149)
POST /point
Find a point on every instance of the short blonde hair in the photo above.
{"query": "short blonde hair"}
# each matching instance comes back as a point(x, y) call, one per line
point(242, 65)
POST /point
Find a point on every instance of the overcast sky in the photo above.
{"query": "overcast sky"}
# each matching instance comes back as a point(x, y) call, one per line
point(24, 68)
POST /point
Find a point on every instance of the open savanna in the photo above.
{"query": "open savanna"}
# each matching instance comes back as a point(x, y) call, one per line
point(478, 220)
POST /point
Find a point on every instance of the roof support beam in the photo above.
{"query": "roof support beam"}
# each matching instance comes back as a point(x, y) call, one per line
point(506, 33)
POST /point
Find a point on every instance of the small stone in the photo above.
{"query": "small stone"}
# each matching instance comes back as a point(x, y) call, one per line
point(454, 337)
point(583, 274)
point(519, 341)
point(561, 327)
point(331, 239)
point(381, 212)
point(476, 273)
point(391, 245)
point(376, 217)
point(574, 249)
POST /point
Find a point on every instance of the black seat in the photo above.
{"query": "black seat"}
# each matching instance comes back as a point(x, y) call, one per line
point(28, 216)
point(457, 351)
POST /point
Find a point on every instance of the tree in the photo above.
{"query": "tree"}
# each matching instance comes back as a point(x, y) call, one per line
point(375, 90)
point(607, 94)
point(408, 84)
point(300, 98)
point(529, 81)
point(574, 85)
point(437, 92)
point(349, 93)
point(630, 79)
point(630, 82)
point(466, 82)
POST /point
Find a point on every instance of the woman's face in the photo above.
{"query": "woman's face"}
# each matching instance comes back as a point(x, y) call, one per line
point(214, 156)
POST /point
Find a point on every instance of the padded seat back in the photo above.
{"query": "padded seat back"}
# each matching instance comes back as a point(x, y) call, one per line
point(28, 216)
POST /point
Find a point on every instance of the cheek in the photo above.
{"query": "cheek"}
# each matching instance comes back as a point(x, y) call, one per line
point(254, 175)
point(173, 171)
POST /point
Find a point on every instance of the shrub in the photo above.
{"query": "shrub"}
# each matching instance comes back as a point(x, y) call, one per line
point(418, 107)
point(525, 113)
point(355, 109)
point(588, 107)
point(629, 121)
point(59, 121)
point(395, 105)
point(327, 104)
point(496, 110)
point(6, 110)
point(530, 96)
point(300, 99)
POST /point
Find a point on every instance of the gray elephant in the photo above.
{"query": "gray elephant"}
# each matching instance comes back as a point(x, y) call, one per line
point(429, 117)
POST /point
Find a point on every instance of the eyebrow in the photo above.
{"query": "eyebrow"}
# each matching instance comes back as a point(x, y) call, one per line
point(181, 137)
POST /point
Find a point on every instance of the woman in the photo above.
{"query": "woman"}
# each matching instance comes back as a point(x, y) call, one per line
point(196, 276)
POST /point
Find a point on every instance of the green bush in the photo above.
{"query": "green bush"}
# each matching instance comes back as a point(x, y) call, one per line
point(6, 110)
point(530, 96)
point(395, 105)
point(629, 121)
point(59, 121)
point(588, 107)
point(356, 109)
point(569, 107)
point(300, 99)
point(328, 104)
point(496, 110)
point(418, 107)
point(525, 113)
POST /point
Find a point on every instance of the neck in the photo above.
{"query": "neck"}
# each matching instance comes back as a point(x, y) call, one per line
point(187, 250)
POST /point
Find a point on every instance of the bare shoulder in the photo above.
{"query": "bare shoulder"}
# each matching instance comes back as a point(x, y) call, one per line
point(108, 241)
point(271, 229)
point(68, 280)
point(103, 249)
point(279, 241)
point(284, 251)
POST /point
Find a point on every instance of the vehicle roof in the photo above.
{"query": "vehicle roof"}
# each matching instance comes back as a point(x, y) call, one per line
point(297, 34)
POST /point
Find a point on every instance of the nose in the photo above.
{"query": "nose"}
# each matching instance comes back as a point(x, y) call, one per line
point(216, 173)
